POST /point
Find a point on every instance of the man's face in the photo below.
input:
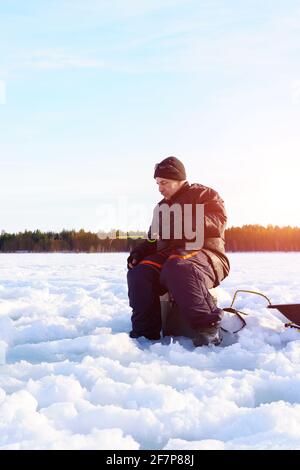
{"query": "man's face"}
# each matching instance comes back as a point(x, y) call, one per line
point(168, 187)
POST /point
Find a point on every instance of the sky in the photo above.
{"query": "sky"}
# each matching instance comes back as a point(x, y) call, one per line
point(94, 93)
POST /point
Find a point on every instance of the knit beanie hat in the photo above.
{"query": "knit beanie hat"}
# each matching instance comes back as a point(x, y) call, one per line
point(170, 168)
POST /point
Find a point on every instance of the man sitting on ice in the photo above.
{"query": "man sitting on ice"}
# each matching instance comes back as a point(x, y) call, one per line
point(167, 263)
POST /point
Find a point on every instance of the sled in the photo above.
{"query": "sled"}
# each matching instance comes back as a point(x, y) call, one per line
point(290, 311)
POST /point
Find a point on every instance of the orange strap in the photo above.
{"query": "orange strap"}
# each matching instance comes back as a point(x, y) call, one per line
point(184, 256)
point(159, 266)
point(152, 263)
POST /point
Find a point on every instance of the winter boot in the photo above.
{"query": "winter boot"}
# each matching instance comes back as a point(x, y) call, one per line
point(206, 336)
point(135, 335)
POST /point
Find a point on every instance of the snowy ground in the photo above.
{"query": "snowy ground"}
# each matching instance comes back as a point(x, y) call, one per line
point(70, 377)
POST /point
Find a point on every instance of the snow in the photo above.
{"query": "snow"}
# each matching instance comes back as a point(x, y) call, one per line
point(71, 378)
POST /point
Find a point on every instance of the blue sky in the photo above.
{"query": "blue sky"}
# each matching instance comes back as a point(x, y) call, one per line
point(94, 93)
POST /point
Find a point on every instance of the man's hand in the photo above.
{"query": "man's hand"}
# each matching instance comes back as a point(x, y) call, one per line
point(132, 261)
point(132, 264)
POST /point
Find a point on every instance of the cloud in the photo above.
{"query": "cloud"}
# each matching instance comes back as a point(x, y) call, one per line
point(59, 60)
point(2, 92)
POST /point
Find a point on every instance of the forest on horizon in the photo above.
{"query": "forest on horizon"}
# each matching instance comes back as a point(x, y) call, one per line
point(245, 238)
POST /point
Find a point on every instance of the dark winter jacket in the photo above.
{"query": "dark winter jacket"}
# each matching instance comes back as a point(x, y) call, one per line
point(214, 228)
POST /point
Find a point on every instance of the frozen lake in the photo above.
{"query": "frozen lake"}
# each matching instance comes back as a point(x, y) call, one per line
point(71, 378)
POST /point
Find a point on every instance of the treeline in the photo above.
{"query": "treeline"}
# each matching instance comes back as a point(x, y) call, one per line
point(68, 241)
point(259, 238)
point(246, 238)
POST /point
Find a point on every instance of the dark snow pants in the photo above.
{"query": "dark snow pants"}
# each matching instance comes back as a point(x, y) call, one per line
point(187, 280)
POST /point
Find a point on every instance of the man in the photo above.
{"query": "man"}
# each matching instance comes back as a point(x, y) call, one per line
point(168, 264)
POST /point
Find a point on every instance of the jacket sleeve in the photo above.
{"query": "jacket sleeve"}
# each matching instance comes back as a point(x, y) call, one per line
point(214, 214)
